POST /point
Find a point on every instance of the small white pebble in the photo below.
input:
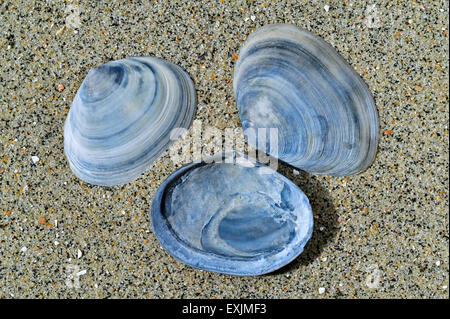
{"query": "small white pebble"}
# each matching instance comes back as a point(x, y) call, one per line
point(326, 7)
point(253, 18)
point(56, 223)
point(322, 228)
point(56, 243)
point(321, 290)
point(296, 172)
point(438, 263)
point(79, 253)
point(444, 287)
point(81, 273)
point(324, 259)
point(24, 249)
point(123, 212)
point(95, 286)
point(35, 159)
point(16, 170)
point(246, 19)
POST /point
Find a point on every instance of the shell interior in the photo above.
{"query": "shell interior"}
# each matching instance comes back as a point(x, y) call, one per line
point(231, 219)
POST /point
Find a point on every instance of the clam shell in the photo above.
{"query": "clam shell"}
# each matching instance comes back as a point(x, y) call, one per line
point(122, 116)
point(292, 80)
point(231, 218)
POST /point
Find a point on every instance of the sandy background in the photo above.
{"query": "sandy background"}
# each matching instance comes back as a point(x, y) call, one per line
point(381, 234)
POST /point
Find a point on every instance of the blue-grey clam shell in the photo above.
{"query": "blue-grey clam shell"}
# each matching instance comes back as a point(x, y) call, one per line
point(231, 219)
point(122, 116)
point(292, 80)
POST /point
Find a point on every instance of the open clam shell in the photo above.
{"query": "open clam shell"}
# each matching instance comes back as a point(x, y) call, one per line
point(291, 80)
point(231, 218)
point(122, 116)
